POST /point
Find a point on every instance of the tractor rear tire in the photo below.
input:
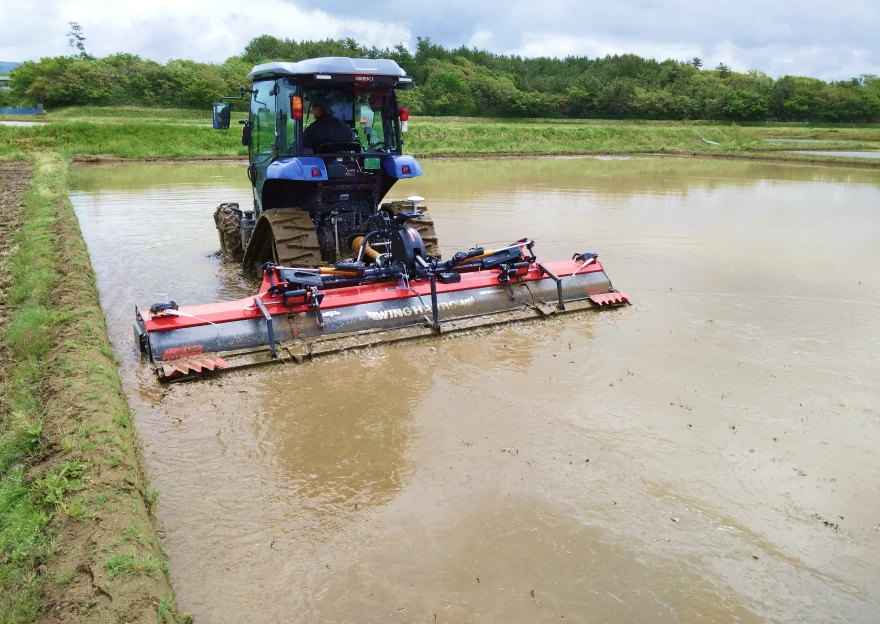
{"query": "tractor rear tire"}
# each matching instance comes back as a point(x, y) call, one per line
point(424, 225)
point(227, 218)
point(283, 236)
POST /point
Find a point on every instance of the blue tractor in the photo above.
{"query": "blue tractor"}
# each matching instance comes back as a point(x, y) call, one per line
point(324, 140)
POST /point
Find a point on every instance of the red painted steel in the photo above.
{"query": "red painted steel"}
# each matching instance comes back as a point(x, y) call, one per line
point(613, 298)
point(179, 368)
point(353, 295)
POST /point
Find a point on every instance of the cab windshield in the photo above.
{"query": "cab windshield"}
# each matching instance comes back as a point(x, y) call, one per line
point(365, 119)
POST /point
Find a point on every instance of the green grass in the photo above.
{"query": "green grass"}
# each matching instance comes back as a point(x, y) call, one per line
point(132, 533)
point(123, 417)
point(452, 138)
point(165, 610)
point(127, 114)
point(131, 564)
point(64, 579)
point(441, 137)
point(641, 122)
point(143, 114)
point(151, 495)
point(52, 487)
point(133, 140)
point(143, 133)
point(26, 508)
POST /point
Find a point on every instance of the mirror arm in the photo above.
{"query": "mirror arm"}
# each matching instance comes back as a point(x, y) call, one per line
point(240, 95)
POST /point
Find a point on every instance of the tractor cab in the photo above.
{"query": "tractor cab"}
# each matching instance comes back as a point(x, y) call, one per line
point(325, 137)
point(323, 119)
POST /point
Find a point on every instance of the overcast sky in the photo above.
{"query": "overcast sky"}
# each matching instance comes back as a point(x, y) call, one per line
point(829, 40)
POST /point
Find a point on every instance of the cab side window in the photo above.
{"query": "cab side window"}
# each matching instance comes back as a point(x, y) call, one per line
point(263, 117)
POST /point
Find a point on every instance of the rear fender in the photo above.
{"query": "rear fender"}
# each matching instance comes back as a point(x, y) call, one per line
point(401, 166)
point(301, 169)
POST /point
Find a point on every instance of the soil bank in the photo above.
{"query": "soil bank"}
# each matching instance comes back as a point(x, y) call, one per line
point(77, 540)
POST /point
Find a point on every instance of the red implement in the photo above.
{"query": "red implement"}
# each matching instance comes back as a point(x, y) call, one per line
point(294, 318)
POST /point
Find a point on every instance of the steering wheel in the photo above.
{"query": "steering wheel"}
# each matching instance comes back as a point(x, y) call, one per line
point(378, 146)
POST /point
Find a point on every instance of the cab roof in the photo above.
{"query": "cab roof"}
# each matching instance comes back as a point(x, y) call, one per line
point(328, 65)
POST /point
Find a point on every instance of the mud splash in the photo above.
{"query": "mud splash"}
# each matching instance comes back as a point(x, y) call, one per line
point(709, 453)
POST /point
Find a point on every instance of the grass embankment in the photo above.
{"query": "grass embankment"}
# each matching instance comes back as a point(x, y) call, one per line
point(77, 543)
point(131, 140)
point(173, 133)
point(440, 137)
point(125, 114)
point(433, 137)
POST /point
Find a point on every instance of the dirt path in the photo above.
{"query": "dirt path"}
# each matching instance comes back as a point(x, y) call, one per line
point(15, 179)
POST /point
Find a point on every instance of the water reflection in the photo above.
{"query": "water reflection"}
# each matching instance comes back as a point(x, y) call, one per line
point(339, 438)
point(278, 474)
point(129, 177)
point(480, 179)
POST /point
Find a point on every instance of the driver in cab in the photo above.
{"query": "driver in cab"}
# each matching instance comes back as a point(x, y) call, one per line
point(326, 128)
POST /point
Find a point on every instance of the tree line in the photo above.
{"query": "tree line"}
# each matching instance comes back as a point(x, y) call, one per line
point(466, 82)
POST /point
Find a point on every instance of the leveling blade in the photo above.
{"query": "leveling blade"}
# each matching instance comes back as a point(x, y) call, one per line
point(298, 315)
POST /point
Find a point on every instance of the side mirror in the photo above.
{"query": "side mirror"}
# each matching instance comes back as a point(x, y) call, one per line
point(222, 115)
point(246, 134)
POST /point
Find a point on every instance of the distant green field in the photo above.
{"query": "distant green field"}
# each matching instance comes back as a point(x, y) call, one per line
point(135, 115)
point(170, 133)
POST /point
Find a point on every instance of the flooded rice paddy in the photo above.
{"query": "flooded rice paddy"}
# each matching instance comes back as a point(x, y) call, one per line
point(844, 154)
point(707, 454)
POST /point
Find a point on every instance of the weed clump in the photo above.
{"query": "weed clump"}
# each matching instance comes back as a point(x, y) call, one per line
point(131, 564)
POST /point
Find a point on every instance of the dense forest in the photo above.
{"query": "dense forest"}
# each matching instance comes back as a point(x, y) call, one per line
point(469, 82)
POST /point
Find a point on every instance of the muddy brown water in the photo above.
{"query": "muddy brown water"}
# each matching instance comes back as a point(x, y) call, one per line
point(707, 454)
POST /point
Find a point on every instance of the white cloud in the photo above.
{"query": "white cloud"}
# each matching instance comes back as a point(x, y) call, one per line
point(481, 39)
point(201, 30)
point(806, 37)
point(549, 44)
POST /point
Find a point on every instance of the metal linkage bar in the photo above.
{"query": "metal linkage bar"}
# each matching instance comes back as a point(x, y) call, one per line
point(269, 322)
point(555, 278)
point(435, 309)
